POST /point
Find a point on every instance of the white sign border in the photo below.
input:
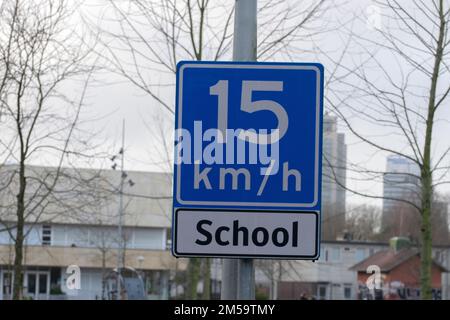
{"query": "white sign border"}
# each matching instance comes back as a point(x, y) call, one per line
point(252, 66)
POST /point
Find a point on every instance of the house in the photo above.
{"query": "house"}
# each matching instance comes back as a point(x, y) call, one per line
point(399, 273)
point(331, 277)
point(327, 278)
point(76, 227)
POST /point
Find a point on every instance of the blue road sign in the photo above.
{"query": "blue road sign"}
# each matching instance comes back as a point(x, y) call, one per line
point(248, 145)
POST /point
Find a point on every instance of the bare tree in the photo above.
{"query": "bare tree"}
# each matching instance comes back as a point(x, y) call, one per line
point(273, 270)
point(40, 53)
point(144, 40)
point(100, 234)
point(403, 220)
point(362, 222)
point(392, 99)
point(278, 271)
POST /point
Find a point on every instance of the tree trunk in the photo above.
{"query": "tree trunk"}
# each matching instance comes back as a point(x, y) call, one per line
point(425, 230)
point(193, 275)
point(426, 243)
point(426, 173)
point(273, 281)
point(18, 243)
point(206, 279)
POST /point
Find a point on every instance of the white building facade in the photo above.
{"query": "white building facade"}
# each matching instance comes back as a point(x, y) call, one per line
point(89, 240)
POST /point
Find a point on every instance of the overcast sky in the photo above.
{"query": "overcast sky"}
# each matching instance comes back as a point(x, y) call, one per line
point(115, 100)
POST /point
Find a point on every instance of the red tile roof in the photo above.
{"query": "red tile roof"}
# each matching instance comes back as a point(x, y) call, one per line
point(389, 259)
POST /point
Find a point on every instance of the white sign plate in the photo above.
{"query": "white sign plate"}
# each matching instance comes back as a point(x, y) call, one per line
point(246, 233)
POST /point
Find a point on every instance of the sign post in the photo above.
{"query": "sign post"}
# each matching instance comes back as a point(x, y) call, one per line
point(238, 276)
point(248, 156)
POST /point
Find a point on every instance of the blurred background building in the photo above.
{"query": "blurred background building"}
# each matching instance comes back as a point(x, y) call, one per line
point(400, 181)
point(88, 238)
point(341, 272)
point(333, 179)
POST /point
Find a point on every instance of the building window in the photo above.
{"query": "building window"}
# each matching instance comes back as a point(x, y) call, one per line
point(7, 284)
point(31, 283)
point(322, 292)
point(437, 256)
point(324, 255)
point(46, 235)
point(347, 292)
point(360, 254)
point(335, 254)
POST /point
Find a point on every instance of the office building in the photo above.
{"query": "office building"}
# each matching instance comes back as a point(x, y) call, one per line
point(75, 229)
point(401, 181)
point(333, 179)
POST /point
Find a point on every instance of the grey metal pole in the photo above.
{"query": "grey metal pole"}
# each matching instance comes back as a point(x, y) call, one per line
point(120, 259)
point(244, 36)
point(238, 277)
point(229, 277)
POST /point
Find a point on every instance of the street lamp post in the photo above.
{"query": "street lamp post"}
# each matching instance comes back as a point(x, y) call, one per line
point(121, 242)
point(120, 257)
